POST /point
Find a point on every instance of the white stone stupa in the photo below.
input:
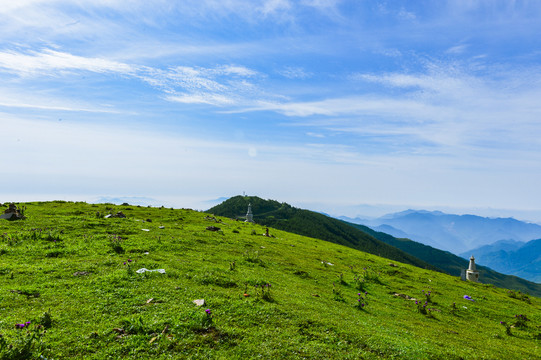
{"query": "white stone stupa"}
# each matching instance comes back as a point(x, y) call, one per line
point(249, 215)
point(472, 274)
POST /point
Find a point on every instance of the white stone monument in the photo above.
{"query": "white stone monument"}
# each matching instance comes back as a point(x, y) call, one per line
point(472, 274)
point(249, 215)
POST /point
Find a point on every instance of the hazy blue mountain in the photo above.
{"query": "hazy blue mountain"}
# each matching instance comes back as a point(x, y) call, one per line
point(454, 233)
point(511, 257)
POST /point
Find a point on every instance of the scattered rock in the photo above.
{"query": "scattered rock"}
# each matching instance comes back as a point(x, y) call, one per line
point(142, 270)
point(199, 302)
point(213, 228)
point(404, 296)
point(27, 293)
point(81, 273)
point(393, 265)
point(12, 213)
point(119, 215)
point(161, 227)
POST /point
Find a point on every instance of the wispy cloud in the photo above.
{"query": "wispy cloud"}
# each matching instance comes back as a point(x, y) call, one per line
point(48, 61)
point(221, 85)
point(295, 73)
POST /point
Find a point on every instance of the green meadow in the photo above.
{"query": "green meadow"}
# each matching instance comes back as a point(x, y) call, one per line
point(70, 289)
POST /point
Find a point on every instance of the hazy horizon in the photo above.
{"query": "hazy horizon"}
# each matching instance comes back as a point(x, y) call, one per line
point(353, 211)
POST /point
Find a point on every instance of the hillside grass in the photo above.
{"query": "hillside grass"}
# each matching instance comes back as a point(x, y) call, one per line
point(62, 269)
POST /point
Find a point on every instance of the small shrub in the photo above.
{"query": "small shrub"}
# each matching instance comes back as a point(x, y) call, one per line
point(361, 301)
point(428, 296)
point(520, 321)
point(507, 327)
point(115, 243)
point(359, 283)
point(25, 345)
point(421, 308)
point(519, 295)
point(337, 293)
point(370, 275)
point(206, 319)
point(46, 320)
point(252, 257)
point(264, 292)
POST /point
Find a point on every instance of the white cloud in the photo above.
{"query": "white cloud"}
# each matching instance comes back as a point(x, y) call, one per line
point(221, 85)
point(458, 49)
point(48, 61)
point(274, 6)
point(291, 72)
point(206, 98)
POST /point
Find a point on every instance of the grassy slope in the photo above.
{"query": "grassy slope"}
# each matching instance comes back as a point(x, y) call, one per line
point(453, 264)
point(308, 223)
point(302, 317)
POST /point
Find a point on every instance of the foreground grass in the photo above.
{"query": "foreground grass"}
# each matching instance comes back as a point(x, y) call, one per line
point(63, 270)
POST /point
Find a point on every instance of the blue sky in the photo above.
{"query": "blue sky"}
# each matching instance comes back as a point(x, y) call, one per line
point(348, 107)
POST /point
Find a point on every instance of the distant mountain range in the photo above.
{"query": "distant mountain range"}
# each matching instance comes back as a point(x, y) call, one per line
point(304, 222)
point(454, 233)
point(511, 257)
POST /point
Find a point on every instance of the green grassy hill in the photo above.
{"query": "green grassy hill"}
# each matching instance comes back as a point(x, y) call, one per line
point(69, 289)
point(309, 223)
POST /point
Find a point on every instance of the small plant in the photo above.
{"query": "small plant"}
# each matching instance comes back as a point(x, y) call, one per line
point(206, 320)
point(361, 301)
point(370, 275)
point(454, 309)
point(519, 295)
point(46, 320)
point(232, 266)
point(507, 327)
point(53, 236)
point(253, 257)
point(264, 291)
point(337, 293)
point(359, 283)
point(341, 279)
point(520, 321)
point(421, 308)
point(129, 269)
point(115, 243)
point(26, 344)
point(428, 296)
